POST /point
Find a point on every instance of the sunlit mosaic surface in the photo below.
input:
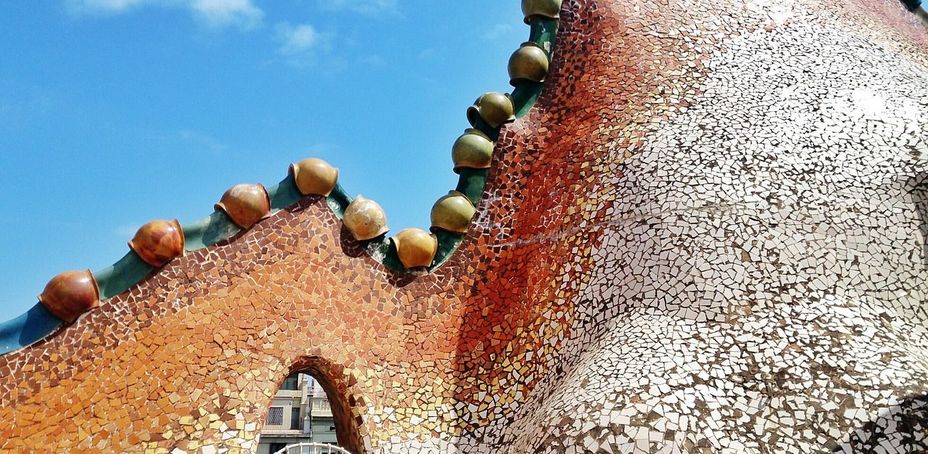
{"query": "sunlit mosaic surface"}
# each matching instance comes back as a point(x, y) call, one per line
point(708, 237)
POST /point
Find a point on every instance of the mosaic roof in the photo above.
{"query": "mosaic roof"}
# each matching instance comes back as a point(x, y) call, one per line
point(707, 235)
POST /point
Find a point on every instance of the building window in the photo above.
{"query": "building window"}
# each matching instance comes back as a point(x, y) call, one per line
point(275, 416)
point(277, 447)
point(292, 383)
point(295, 419)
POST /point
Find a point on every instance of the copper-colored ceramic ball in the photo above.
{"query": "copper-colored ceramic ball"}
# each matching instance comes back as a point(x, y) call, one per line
point(416, 248)
point(159, 242)
point(314, 176)
point(494, 108)
point(473, 150)
point(70, 294)
point(453, 213)
point(529, 63)
point(246, 204)
point(365, 219)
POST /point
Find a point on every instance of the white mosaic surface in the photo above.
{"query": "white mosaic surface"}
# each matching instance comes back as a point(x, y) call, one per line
point(763, 281)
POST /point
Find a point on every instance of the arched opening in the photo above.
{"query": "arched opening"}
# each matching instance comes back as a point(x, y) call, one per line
point(312, 408)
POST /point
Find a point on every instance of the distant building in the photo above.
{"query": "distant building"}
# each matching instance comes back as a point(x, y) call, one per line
point(299, 413)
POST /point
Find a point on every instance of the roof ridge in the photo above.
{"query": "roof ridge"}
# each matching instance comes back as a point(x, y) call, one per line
point(73, 293)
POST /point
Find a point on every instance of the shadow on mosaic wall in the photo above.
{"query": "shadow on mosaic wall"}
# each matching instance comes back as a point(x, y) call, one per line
point(355, 249)
point(904, 428)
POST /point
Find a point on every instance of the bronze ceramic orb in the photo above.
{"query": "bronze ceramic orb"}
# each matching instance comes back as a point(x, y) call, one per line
point(314, 176)
point(416, 248)
point(473, 150)
point(529, 63)
point(453, 213)
point(365, 219)
point(550, 9)
point(70, 294)
point(494, 108)
point(246, 204)
point(159, 242)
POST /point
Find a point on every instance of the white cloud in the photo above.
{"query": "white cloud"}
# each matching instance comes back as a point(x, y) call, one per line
point(302, 45)
point(370, 7)
point(221, 13)
point(101, 6)
point(213, 13)
point(296, 39)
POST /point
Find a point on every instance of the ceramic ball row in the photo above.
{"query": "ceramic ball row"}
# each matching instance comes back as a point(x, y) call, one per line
point(366, 220)
point(156, 243)
point(72, 293)
point(531, 61)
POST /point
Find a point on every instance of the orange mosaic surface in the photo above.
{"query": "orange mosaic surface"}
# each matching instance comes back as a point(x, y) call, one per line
point(190, 358)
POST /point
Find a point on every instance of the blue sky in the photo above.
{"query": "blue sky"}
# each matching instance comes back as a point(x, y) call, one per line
point(117, 112)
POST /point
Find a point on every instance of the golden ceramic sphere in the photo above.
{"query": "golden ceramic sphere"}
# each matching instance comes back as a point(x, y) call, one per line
point(494, 108)
point(544, 8)
point(529, 63)
point(473, 150)
point(453, 213)
point(159, 242)
point(416, 248)
point(70, 294)
point(365, 219)
point(314, 176)
point(246, 204)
